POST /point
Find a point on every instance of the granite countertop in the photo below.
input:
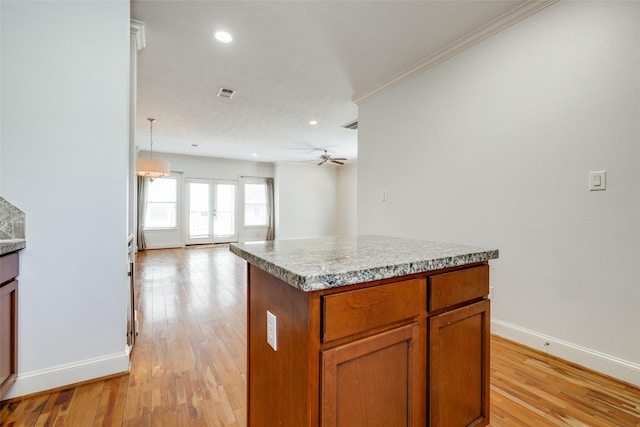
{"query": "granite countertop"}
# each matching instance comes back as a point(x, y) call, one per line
point(329, 262)
point(11, 245)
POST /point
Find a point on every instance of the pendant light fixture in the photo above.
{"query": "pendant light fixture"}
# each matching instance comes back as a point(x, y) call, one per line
point(152, 168)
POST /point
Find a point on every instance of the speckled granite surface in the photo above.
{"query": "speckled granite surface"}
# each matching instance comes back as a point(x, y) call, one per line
point(12, 228)
point(11, 245)
point(12, 221)
point(328, 262)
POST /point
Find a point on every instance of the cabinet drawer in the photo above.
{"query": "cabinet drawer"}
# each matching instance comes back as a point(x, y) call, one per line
point(351, 312)
point(448, 289)
point(8, 267)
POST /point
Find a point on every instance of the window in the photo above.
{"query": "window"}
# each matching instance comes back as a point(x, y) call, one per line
point(161, 203)
point(255, 204)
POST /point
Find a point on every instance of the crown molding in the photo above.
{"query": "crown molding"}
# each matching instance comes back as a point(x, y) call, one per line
point(501, 23)
point(137, 30)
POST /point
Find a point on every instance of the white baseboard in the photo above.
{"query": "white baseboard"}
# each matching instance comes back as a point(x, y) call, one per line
point(600, 362)
point(60, 376)
point(164, 246)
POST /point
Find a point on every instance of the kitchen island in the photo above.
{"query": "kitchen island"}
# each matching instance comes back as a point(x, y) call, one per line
point(367, 331)
point(12, 240)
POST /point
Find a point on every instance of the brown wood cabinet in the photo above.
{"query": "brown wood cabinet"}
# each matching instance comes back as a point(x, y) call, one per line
point(351, 394)
point(459, 366)
point(408, 351)
point(8, 321)
point(373, 381)
point(458, 350)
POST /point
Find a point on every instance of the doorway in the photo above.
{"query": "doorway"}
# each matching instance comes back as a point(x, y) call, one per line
point(211, 211)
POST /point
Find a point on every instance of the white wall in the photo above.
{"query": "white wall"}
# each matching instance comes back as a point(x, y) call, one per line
point(207, 168)
point(0, 102)
point(348, 199)
point(64, 162)
point(493, 148)
point(306, 200)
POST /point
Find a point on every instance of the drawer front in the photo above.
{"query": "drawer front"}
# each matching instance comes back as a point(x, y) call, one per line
point(8, 267)
point(449, 289)
point(352, 312)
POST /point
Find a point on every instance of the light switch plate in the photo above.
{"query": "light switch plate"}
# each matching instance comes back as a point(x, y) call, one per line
point(597, 180)
point(272, 330)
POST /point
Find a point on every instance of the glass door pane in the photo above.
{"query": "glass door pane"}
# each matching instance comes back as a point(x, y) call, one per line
point(224, 221)
point(200, 212)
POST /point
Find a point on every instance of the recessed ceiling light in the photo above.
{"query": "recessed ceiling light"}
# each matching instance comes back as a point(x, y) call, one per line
point(223, 36)
point(254, 154)
point(313, 122)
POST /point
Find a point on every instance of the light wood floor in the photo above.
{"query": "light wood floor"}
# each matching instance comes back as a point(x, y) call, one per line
point(188, 366)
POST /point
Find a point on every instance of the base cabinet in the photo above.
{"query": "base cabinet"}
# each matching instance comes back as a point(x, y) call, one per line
point(459, 366)
point(358, 376)
point(8, 321)
point(412, 351)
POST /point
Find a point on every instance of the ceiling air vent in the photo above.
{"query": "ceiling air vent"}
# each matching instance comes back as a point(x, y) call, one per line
point(226, 93)
point(351, 125)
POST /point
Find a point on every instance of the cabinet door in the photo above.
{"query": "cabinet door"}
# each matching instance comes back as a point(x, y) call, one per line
point(8, 335)
point(374, 381)
point(459, 367)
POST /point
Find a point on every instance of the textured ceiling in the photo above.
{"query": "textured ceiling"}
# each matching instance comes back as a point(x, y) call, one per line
point(289, 62)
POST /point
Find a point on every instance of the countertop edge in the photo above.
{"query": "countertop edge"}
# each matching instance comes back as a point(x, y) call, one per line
point(13, 245)
point(329, 281)
point(334, 280)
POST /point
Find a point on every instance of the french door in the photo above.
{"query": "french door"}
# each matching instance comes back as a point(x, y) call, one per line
point(211, 211)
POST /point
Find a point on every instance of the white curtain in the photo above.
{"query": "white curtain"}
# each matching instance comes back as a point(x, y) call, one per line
point(271, 231)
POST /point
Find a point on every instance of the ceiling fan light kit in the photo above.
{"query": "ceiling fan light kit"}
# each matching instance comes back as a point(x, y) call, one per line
point(326, 158)
point(152, 168)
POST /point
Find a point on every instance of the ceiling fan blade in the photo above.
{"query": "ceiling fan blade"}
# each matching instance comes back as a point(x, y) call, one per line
point(339, 158)
point(321, 163)
point(335, 161)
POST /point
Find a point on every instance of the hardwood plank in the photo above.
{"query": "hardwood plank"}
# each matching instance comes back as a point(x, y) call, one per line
point(56, 408)
point(219, 410)
point(529, 387)
point(138, 399)
point(23, 412)
point(189, 363)
point(110, 408)
point(84, 404)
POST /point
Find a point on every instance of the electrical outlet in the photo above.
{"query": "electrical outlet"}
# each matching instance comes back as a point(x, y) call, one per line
point(272, 330)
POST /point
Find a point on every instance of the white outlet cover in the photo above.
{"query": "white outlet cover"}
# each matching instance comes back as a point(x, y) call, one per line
point(272, 330)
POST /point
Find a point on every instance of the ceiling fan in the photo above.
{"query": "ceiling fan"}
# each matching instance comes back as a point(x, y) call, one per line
point(326, 158)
